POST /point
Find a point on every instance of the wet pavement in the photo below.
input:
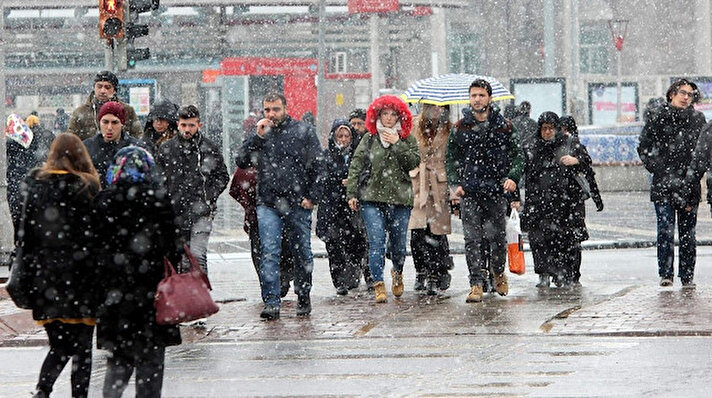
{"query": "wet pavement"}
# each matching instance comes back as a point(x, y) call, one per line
point(618, 335)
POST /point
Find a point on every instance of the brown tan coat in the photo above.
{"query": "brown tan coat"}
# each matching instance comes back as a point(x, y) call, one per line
point(431, 195)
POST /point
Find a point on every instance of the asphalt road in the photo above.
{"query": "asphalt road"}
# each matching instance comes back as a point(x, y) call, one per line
point(620, 335)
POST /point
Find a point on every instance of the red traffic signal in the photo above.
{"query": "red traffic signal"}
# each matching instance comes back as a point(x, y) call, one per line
point(111, 19)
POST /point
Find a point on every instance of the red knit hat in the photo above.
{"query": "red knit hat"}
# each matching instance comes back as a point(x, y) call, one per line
point(114, 108)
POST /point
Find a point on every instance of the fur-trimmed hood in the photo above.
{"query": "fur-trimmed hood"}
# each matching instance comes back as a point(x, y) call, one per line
point(392, 102)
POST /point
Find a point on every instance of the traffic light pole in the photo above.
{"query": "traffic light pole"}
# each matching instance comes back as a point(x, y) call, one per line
point(7, 231)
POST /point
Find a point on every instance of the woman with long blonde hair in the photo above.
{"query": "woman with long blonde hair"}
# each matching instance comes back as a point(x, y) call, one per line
point(57, 246)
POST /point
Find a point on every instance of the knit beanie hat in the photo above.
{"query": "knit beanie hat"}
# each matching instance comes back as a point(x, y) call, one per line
point(32, 121)
point(107, 76)
point(114, 108)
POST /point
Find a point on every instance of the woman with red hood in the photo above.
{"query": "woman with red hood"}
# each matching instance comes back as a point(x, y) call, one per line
point(378, 181)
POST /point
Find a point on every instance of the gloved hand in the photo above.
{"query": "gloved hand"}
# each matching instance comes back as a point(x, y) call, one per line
point(599, 205)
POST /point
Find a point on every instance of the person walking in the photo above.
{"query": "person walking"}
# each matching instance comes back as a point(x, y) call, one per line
point(337, 225)
point(136, 230)
point(61, 121)
point(430, 218)
point(583, 168)
point(84, 119)
point(484, 162)
point(554, 211)
point(243, 189)
point(195, 175)
point(525, 126)
point(161, 124)
point(666, 145)
point(24, 152)
point(288, 158)
point(384, 191)
point(111, 137)
point(58, 238)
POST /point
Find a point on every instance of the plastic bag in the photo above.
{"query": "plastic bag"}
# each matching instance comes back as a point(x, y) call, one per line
point(515, 247)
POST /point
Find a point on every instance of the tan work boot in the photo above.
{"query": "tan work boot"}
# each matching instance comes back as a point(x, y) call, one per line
point(380, 289)
point(397, 283)
point(475, 295)
point(501, 285)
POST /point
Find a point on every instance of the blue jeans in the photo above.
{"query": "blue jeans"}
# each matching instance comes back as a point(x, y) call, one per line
point(379, 218)
point(686, 222)
point(297, 223)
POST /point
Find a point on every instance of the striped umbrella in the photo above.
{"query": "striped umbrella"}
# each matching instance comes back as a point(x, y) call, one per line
point(453, 88)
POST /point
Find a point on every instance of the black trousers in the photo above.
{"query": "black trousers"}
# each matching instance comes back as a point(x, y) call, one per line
point(67, 341)
point(346, 259)
point(560, 258)
point(149, 366)
point(430, 253)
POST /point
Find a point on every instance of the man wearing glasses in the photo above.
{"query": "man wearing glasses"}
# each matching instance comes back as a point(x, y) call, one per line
point(667, 142)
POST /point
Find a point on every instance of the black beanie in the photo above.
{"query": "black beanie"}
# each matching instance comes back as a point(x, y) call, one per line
point(358, 113)
point(106, 76)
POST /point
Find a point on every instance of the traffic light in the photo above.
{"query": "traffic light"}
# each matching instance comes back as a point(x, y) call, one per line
point(111, 19)
point(136, 54)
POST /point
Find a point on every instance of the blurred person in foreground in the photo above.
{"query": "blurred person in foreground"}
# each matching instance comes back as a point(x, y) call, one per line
point(136, 230)
point(666, 146)
point(58, 243)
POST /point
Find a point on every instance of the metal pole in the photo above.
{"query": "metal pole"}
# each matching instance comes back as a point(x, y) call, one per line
point(618, 85)
point(6, 232)
point(375, 66)
point(549, 39)
point(320, 77)
point(575, 61)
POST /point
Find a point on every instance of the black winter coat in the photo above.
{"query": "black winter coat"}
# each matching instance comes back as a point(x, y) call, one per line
point(195, 175)
point(102, 153)
point(58, 239)
point(667, 142)
point(553, 201)
point(335, 220)
point(20, 161)
point(137, 229)
point(288, 161)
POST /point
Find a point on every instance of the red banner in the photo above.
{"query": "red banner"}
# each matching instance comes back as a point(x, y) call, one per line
point(366, 6)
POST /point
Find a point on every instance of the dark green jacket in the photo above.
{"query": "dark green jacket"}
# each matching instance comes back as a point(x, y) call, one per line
point(389, 181)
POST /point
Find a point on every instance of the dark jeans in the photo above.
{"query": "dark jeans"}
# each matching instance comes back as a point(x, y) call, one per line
point(149, 373)
point(430, 253)
point(66, 341)
point(296, 222)
point(286, 260)
point(483, 223)
point(686, 222)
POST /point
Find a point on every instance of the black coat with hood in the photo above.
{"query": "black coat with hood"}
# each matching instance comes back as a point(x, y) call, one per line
point(166, 110)
point(667, 143)
point(136, 227)
point(58, 245)
point(195, 175)
point(288, 161)
point(553, 202)
point(102, 152)
point(334, 218)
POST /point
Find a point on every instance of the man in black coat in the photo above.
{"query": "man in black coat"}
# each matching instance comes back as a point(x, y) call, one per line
point(666, 145)
point(523, 123)
point(111, 137)
point(484, 161)
point(195, 175)
point(287, 155)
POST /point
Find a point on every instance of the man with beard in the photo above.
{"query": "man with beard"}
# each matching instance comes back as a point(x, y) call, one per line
point(484, 162)
point(84, 121)
point(287, 155)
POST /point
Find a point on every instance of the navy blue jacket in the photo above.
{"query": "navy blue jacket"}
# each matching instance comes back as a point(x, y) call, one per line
point(288, 161)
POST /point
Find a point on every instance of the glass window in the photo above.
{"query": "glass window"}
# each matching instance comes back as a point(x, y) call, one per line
point(594, 46)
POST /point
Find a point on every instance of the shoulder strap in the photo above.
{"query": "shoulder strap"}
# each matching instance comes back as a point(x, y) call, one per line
point(23, 217)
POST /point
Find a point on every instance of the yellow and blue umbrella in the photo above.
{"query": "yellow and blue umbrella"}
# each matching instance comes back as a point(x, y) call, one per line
point(453, 88)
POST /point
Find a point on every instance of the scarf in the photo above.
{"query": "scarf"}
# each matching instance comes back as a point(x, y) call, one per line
point(383, 129)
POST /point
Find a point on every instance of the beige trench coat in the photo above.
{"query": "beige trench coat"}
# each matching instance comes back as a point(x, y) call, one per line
point(431, 194)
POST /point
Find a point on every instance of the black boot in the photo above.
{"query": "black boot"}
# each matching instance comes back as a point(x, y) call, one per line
point(419, 282)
